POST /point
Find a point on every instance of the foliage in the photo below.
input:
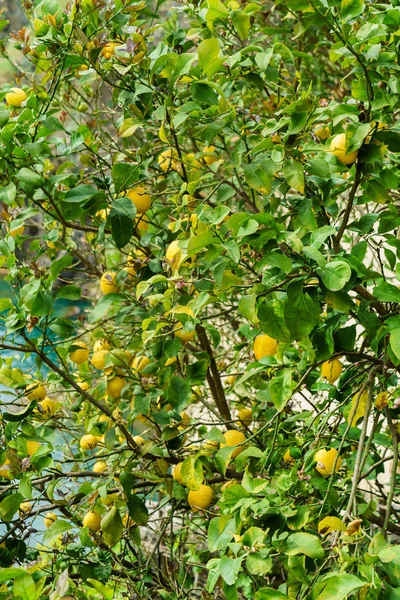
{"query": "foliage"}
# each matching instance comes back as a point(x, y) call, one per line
point(190, 156)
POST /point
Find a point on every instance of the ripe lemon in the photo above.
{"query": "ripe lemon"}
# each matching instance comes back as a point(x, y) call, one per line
point(25, 507)
point(92, 520)
point(245, 415)
point(101, 345)
point(331, 370)
point(98, 359)
point(176, 473)
point(230, 380)
point(140, 199)
point(338, 148)
point(16, 97)
point(88, 442)
point(5, 470)
point(49, 519)
point(35, 391)
point(99, 467)
point(142, 224)
point(48, 405)
point(81, 354)
point(115, 386)
point(184, 336)
point(323, 132)
point(264, 345)
point(210, 157)
point(325, 460)
point(32, 446)
point(288, 458)
point(168, 160)
point(17, 231)
point(109, 50)
point(174, 253)
point(233, 438)
point(140, 362)
point(138, 440)
point(200, 499)
point(107, 283)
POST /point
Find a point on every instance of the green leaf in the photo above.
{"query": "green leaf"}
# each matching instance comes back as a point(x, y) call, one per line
point(201, 241)
point(204, 94)
point(304, 543)
point(9, 506)
point(57, 528)
point(337, 586)
point(5, 304)
point(208, 52)
point(192, 472)
point(247, 306)
point(293, 172)
point(124, 175)
point(301, 314)
point(138, 510)
point(30, 177)
point(11, 573)
point(390, 138)
point(269, 594)
point(349, 9)
point(335, 275)
point(112, 527)
point(241, 22)
point(394, 341)
point(280, 389)
point(386, 292)
point(179, 393)
point(59, 265)
point(216, 10)
point(80, 194)
point(271, 314)
point(257, 564)
point(8, 193)
point(257, 177)
point(229, 568)
point(123, 211)
point(25, 587)
point(103, 306)
point(220, 532)
point(106, 592)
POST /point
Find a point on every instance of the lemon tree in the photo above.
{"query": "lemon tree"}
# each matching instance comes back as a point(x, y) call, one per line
point(199, 317)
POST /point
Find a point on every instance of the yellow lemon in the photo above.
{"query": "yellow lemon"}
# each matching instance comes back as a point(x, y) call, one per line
point(323, 132)
point(101, 345)
point(25, 507)
point(176, 473)
point(331, 370)
point(325, 460)
point(107, 283)
point(109, 499)
point(17, 231)
point(92, 520)
point(140, 199)
point(138, 440)
point(140, 362)
point(200, 499)
point(5, 470)
point(35, 391)
point(264, 345)
point(48, 405)
point(234, 438)
point(88, 442)
point(98, 359)
point(209, 155)
point(32, 446)
point(81, 354)
point(245, 415)
point(288, 458)
point(109, 49)
point(49, 519)
point(338, 148)
point(231, 379)
point(99, 467)
point(168, 160)
point(184, 336)
point(142, 224)
point(115, 386)
point(16, 97)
